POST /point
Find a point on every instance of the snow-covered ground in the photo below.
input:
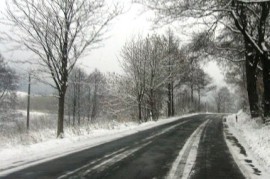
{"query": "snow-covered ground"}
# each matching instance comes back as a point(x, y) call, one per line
point(251, 146)
point(21, 94)
point(17, 156)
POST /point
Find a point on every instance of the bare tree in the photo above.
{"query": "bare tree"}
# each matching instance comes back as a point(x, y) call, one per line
point(222, 99)
point(235, 76)
point(75, 94)
point(155, 79)
point(59, 32)
point(97, 81)
point(135, 57)
point(120, 102)
point(8, 83)
point(85, 95)
point(201, 81)
point(171, 66)
point(154, 68)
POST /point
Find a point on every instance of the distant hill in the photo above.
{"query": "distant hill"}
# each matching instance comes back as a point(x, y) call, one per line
point(37, 88)
point(42, 103)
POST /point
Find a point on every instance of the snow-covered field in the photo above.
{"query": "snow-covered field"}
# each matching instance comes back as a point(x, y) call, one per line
point(255, 138)
point(25, 149)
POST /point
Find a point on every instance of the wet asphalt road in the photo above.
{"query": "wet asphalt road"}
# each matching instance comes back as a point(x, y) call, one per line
point(145, 155)
point(213, 158)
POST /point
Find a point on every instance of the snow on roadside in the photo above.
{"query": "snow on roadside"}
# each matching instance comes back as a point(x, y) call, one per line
point(35, 113)
point(22, 156)
point(255, 138)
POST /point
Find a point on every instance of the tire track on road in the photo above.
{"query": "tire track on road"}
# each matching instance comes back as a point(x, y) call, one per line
point(187, 155)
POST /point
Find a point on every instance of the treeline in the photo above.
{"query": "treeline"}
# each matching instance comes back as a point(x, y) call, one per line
point(85, 96)
point(8, 86)
point(160, 79)
point(158, 72)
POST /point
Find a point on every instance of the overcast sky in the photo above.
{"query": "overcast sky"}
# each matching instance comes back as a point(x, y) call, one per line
point(129, 24)
point(134, 21)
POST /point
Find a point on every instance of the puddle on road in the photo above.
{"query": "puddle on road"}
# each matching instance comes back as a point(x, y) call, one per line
point(236, 143)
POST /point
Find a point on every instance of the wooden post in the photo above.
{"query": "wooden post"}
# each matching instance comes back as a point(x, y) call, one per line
point(28, 102)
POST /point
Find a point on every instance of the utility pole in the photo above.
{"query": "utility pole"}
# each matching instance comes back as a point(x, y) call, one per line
point(28, 102)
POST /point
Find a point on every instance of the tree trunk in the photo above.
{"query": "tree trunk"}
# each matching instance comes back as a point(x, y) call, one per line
point(61, 105)
point(74, 101)
point(251, 65)
point(152, 105)
point(264, 57)
point(94, 107)
point(28, 103)
point(89, 104)
point(169, 100)
point(139, 110)
point(62, 86)
point(79, 99)
point(191, 96)
point(69, 118)
point(252, 81)
point(172, 100)
point(266, 84)
point(199, 101)
point(146, 113)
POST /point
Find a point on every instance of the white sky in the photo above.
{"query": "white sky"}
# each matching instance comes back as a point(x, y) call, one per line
point(131, 23)
point(214, 71)
point(122, 29)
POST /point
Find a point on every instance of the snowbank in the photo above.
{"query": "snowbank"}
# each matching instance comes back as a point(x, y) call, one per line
point(253, 135)
point(17, 157)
